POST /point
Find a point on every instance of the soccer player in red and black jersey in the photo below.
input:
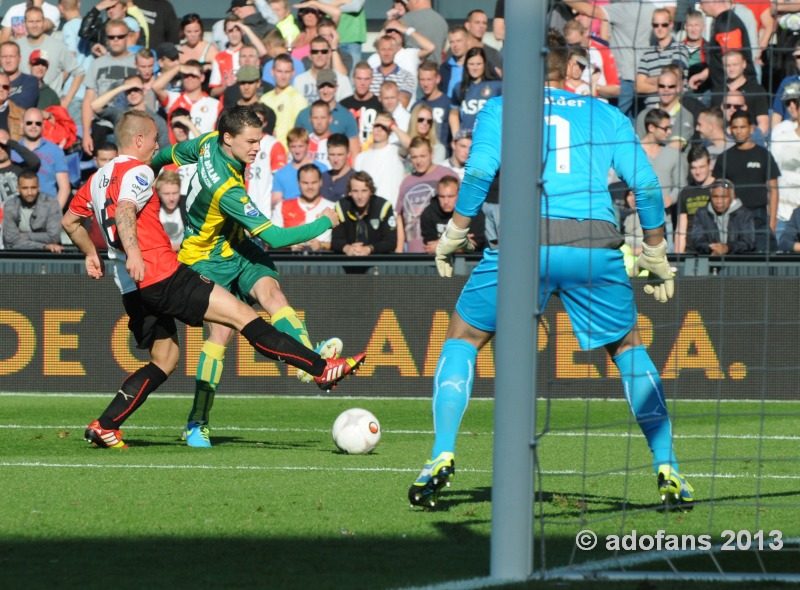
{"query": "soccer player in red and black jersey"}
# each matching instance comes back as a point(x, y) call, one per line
point(156, 288)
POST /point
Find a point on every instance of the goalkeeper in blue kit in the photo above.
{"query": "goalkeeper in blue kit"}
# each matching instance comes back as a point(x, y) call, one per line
point(580, 263)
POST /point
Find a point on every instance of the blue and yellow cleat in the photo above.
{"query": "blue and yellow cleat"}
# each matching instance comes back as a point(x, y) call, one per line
point(327, 349)
point(196, 435)
point(676, 493)
point(436, 474)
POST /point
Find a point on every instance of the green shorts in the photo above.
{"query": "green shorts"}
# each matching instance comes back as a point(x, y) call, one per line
point(240, 272)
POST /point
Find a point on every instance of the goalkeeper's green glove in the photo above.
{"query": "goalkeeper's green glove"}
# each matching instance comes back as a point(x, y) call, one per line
point(654, 259)
point(452, 240)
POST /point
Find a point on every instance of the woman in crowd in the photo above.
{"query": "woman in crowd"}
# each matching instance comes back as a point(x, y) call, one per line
point(478, 84)
point(192, 44)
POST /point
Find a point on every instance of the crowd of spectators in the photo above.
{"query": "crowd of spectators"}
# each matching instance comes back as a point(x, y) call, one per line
point(382, 130)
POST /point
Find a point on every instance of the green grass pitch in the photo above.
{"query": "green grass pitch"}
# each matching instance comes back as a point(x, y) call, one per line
point(274, 505)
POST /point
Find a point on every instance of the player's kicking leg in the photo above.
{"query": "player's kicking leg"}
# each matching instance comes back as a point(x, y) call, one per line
point(452, 386)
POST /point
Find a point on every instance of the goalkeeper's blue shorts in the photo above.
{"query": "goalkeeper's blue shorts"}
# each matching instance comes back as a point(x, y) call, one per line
point(591, 283)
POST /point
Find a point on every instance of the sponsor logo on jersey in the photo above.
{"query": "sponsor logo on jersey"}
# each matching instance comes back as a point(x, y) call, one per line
point(140, 180)
point(250, 211)
point(375, 223)
point(392, 221)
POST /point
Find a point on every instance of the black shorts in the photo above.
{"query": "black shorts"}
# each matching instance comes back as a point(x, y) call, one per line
point(184, 295)
point(146, 325)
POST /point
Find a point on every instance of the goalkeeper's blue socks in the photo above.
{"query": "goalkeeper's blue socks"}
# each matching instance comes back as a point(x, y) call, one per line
point(452, 386)
point(645, 395)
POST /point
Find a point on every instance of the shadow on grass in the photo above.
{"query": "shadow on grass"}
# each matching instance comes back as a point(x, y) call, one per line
point(351, 562)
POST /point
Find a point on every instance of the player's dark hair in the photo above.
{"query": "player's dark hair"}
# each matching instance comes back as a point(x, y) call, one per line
point(654, 117)
point(742, 114)
point(697, 152)
point(234, 120)
point(557, 56)
point(268, 114)
point(309, 168)
point(338, 140)
point(364, 177)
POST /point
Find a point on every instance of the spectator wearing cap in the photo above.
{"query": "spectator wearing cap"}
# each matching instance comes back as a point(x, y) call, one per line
point(38, 67)
point(460, 146)
point(106, 71)
point(226, 63)
point(421, 17)
point(248, 58)
point(167, 57)
point(406, 58)
point(321, 59)
point(203, 109)
point(342, 121)
point(13, 23)
point(778, 107)
point(577, 63)
point(785, 148)
point(52, 53)
point(248, 79)
point(246, 10)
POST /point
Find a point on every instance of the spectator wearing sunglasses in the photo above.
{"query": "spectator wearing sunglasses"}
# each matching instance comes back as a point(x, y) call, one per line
point(321, 58)
point(733, 102)
point(106, 72)
point(682, 109)
point(10, 113)
point(754, 94)
point(665, 51)
point(53, 174)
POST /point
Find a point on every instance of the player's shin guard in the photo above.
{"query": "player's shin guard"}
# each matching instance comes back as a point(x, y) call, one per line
point(287, 321)
point(452, 386)
point(207, 378)
point(131, 395)
point(278, 346)
point(645, 395)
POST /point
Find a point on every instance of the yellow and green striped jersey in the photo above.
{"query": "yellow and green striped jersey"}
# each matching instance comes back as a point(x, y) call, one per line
point(218, 207)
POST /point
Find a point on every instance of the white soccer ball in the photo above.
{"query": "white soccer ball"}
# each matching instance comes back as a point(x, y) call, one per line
point(356, 431)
